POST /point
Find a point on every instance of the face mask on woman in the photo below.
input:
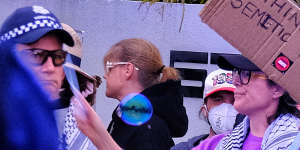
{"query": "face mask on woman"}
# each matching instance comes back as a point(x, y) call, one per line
point(222, 118)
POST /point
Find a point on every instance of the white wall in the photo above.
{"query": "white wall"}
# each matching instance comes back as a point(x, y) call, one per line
point(107, 22)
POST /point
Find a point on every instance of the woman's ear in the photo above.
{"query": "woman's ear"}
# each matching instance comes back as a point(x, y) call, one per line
point(129, 70)
point(277, 91)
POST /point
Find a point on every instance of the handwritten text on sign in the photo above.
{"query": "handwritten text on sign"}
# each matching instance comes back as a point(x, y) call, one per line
point(266, 20)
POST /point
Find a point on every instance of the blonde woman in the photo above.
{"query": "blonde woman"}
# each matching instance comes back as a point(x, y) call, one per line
point(135, 66)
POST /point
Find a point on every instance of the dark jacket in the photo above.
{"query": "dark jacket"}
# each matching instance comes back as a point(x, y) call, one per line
point(168, 120)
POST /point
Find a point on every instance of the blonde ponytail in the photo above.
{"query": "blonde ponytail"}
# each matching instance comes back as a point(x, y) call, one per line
point(169, 73)
point(145, 56)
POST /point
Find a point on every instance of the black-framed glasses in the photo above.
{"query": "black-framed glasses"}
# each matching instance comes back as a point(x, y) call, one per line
point(243, 76)
point(40, 56)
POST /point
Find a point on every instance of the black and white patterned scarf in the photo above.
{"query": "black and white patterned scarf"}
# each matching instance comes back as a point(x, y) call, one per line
point(73, 138)
point(279, 135)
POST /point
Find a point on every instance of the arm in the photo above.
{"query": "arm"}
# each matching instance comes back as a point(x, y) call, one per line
point(91, 125)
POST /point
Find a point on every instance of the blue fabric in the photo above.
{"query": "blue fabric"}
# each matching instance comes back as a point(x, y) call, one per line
point(26, 119)
point(76, 60)
point(296, 143)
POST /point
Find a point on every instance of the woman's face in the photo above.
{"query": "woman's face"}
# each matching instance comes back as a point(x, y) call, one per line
point(114, 82)
point(253, 97)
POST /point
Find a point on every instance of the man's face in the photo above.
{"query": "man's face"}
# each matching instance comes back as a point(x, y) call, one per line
point(219, 98)
point(51, 76)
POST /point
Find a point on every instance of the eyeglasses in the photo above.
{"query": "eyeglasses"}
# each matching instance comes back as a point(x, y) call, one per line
point(110, 65)
point(40, 56)
point(245, 75)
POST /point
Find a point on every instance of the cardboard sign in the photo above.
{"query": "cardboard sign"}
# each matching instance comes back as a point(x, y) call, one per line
point(267, 32)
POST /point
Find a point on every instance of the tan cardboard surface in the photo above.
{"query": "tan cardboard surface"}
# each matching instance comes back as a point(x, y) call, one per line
point(265, 31)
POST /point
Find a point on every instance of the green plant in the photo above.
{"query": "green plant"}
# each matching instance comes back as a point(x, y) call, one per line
point(297, 2)
point(174, 1)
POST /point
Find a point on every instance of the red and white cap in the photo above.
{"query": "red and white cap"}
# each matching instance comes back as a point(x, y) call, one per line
point(218, 80)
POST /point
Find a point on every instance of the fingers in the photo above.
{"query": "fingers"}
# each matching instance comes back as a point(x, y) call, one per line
point(81, 104)
point(89, 89)
point(80, 98)
point(78, 112)
point(90, 86)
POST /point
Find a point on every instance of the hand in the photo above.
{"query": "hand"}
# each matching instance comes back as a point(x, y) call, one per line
point(84, 114)
point(90, 123)
point(89, 89)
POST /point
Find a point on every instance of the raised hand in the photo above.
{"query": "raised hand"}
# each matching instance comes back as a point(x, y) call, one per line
point(90, 123)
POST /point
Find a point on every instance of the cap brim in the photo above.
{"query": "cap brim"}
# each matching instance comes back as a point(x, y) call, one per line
point(35, 35)
point(231, 61)
point(80, 71)
point(229, 89)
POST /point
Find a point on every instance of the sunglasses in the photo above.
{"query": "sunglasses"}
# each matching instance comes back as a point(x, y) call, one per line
point(40, 56)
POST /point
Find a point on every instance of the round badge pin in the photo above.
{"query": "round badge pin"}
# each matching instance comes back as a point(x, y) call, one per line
point(135, 109)
point(282, 63)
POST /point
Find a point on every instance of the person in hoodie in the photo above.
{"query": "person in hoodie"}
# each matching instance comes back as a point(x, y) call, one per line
point(135, 66)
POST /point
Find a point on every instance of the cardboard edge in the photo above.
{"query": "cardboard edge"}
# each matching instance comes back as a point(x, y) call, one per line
point(209, 9)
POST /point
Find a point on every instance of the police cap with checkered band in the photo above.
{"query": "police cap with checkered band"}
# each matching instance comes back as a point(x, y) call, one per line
point(29, 24)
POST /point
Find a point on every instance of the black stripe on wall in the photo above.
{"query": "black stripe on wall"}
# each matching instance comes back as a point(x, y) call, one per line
point(188, 73)
point(193, 74)
point(191, 91)
point(189, 57)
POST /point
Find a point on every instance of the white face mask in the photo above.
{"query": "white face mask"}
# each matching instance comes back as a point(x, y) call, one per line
point(222, 118)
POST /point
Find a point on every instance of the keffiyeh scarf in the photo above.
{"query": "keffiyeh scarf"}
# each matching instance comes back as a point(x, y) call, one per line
point(279, 135)
point(73, 139)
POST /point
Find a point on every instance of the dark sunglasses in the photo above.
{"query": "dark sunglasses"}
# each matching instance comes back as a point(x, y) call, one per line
point(40, 56)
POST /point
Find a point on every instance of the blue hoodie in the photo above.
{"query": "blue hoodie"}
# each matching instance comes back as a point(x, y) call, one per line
point(26, 119)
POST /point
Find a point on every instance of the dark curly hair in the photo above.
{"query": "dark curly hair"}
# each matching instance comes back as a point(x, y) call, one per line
point(66, 94)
